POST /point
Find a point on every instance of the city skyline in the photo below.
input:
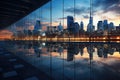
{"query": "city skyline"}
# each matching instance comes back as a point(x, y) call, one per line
point(79, 9)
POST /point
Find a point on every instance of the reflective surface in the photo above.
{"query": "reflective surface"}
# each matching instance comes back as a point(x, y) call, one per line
point(71, 61)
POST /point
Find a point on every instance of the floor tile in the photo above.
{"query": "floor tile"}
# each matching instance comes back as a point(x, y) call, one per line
point(12, 60)
point(10, 74)
point(7, 54)
point(18, 66)
point(32, 78)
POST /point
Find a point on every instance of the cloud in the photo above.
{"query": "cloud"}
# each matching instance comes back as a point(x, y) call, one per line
point(85, 16)
point(45, 23)
point(108, 5)
point(77, 10)
point(62, 18)
point(114, 8)
point(105, 3)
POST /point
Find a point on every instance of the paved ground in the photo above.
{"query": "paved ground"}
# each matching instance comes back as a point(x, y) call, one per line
point(13, 68)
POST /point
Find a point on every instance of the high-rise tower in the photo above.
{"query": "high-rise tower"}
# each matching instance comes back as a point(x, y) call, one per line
point(60, 27)
point(38, 26)
point(70, 23)
point(91, 13)
point(81, 25)
point(90, 27)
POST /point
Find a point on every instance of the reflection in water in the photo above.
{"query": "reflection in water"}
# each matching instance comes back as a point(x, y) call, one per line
point(70, 50)
point(102, 49)
point(92, 61)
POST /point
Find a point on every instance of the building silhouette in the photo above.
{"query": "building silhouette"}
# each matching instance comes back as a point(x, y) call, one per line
point(60, 27)
point(81, 26)
point(100, 26)
point(111, 26)
point(100, 49)
point(118, 28)
point(38, 26)
point(105, 24)
point(76, 27)
point(90, 27)
point(90, 49)
point(81, 50)
point(70, 24)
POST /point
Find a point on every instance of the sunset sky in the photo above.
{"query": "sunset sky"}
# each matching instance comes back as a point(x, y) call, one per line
point(5, 34)
point(102, 9)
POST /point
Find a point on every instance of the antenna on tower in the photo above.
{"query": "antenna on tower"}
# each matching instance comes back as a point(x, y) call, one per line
point(91, 14)
point(91, 8)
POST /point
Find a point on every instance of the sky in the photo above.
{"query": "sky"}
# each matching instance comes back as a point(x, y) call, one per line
point(57, 11)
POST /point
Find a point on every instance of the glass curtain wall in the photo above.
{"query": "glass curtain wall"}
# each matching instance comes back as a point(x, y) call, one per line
point(45, 31)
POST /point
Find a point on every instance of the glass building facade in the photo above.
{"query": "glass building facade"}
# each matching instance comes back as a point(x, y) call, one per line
point(69, 40)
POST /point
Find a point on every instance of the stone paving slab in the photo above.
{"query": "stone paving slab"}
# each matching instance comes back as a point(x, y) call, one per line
point(32, 78)
point(18, 66)
point(14, 68)
point(7, 54)
point(12, 60)
point(10, 74)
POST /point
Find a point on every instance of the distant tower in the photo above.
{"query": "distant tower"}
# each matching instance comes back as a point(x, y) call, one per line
point(76, 27)
point(105, 24)
point(60, 27)
point(91, 14)
point(90, 27)
point(81, 25)
point(70, 23)
point(38, 26)
point(100, 26)
point(111, 26)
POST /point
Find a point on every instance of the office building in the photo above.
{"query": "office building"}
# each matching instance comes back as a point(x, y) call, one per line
point(38, 26)
point(76, 27)
point(70, 23)
point(60, 27)
point(90, 27)
point(105, 24)
point(81, 26)
point(111, 26)
point(100, 26)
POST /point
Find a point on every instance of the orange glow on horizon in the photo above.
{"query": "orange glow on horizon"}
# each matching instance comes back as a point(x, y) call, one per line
point(5, 34)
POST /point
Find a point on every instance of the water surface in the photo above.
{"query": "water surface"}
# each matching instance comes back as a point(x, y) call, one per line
point(71, 61)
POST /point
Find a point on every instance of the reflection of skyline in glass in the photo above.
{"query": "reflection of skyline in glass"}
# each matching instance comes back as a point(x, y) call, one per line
point(70, 51)
point(81, 12)
point(63, 40)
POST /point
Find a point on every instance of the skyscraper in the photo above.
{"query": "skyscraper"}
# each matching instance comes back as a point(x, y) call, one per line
point(38, 26)
point(76, 27)
point(60, 27)
point(105, 24)
point(90, 27)
point(70, 23)
point(81, 25)
point(111, 26)
point(100, 26)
